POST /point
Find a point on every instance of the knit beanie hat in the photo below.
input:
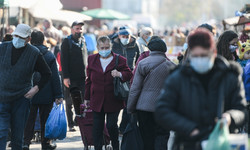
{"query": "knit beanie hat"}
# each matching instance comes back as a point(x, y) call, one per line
point(244, 47)
point(157, 44)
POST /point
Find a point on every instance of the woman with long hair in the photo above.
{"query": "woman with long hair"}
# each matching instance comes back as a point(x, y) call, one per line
point(227, 45)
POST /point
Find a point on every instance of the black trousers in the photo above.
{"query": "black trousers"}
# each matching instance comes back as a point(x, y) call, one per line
point(99, 120)
point(153, 136)
point(125, 120)
point(69, 106)
point(44, 110)
point(77, 89)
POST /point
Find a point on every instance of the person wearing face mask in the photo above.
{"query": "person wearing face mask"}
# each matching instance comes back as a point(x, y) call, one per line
point(99, 91)
point(73, 62)
point(192, 97)
point(127, 46)
point(145, 35)
point(227, 45)
point(18, 61)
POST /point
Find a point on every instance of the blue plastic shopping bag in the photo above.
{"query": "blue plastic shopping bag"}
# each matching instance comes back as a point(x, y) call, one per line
point(56, 125)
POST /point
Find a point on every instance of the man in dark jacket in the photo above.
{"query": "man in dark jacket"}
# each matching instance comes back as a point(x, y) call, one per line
point(73, 61)
point(125, 45)
point(44, 99)
point(18, 61)
point(193, 95)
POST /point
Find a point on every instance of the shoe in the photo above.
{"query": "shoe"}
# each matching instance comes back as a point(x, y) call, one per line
point(49, 147)
point(72, 129)
point(26, 147)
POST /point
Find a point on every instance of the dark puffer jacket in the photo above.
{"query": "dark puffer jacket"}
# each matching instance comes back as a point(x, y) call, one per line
point(185, 105)
point(130, 52)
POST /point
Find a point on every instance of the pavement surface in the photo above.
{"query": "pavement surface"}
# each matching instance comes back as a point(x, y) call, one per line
point(73, 141)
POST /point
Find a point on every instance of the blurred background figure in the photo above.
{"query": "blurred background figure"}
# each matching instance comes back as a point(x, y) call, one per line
point(11, 29)
point(244, 37)
point(90, 40)
point(50, 31)
point(145, 35)
point(114, 34)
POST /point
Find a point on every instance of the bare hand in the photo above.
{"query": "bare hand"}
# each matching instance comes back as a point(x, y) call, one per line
point(194, 132)
point(225, 118)
point(58, 101)
point(66, 82)
point(115, 73)
point(86, 103)
point(32, 92)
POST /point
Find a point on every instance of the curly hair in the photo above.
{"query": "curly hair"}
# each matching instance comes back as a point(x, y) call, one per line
point(223, 44)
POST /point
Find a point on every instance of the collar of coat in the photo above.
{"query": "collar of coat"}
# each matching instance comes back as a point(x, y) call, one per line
point(132, 43)
point(221, 65)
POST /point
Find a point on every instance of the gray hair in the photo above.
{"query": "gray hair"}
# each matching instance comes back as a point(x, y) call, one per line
point(103, 39)
point(145, 30)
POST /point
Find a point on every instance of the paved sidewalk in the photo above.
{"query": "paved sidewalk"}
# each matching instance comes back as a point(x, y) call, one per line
point(73, 141)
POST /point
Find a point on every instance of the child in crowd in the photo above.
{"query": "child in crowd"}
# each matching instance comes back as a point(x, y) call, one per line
point(244, 51)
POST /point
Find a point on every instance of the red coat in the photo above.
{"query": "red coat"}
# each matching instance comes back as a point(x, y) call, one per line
point(99, 85)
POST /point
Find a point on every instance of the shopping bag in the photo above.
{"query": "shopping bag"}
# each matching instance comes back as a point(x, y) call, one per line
point(132, 139)
point(56, 125)
point(238, 141)
point(218, 139)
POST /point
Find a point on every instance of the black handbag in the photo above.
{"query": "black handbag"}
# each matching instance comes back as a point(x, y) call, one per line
point(121, 90)
point(132, 139)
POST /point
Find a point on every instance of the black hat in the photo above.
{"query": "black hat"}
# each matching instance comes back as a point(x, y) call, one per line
point(206, 26)
point(157, 44)
point(77, 23)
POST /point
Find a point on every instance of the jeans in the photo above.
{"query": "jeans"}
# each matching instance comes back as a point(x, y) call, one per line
point(153, 136)
point(99, 120)
point(44, 110)
point(13, 115)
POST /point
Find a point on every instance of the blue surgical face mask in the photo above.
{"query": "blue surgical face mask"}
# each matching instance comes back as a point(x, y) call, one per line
point(201, 65)
point(147, 40)
point(18, 42)
point(105, 53)
point(233, 48)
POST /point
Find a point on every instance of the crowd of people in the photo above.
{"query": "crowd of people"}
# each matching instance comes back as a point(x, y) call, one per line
point(45, 65)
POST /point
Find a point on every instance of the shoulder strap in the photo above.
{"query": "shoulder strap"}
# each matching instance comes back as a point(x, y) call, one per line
point(70, 41)
point(156, 66)
point(117, 61)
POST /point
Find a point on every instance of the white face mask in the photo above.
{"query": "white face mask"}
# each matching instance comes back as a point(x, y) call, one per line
point(201, 65)
point(124, 41)
point(18, 42)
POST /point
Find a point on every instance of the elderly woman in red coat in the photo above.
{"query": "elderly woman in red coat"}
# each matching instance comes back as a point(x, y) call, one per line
point(99, 91)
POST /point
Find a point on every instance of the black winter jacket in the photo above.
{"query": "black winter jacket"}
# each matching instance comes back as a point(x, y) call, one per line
point(73, 60)
point(184, 105)
point(130, 52)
